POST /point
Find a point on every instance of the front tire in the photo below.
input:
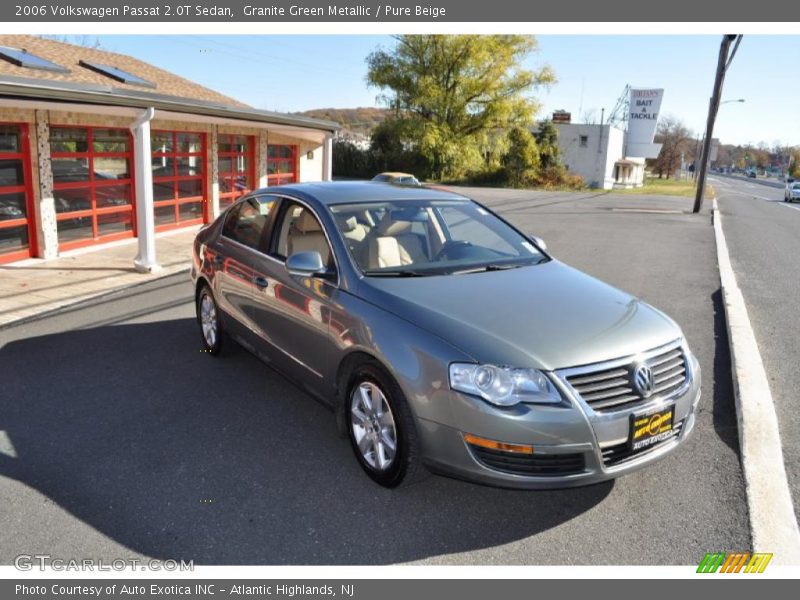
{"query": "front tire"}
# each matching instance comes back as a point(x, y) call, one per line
point(208, 317)
point(381, 428)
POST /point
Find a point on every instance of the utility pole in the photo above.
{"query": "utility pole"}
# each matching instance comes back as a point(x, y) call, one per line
point(725, 58)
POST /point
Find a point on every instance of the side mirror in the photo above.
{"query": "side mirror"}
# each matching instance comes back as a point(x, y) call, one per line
point(539, 242)
point(306, 264)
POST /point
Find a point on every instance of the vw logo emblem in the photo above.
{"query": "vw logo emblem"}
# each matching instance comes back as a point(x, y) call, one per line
point(643, 380)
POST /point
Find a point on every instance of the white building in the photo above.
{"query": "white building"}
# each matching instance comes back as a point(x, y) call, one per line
point(596, 153)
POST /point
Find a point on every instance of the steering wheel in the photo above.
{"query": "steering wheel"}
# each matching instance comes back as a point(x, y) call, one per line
point(445, 250)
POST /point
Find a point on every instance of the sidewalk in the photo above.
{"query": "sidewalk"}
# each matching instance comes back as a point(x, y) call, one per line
point(36, 286)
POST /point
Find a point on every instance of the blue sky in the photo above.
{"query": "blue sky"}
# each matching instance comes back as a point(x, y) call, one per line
point(291, 73)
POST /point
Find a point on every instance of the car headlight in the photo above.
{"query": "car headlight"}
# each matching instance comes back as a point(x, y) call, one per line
point(503, 386)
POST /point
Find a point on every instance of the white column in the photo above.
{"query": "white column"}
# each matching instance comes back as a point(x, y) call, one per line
point(145, 261)
point(327, 158)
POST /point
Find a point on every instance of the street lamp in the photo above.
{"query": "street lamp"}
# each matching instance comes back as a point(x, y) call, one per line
point(697, 152)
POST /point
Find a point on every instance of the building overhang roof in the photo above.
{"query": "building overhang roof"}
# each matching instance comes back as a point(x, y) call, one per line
point(38, 89)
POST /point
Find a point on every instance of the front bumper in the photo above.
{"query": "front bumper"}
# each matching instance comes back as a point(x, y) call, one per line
point(593, 445)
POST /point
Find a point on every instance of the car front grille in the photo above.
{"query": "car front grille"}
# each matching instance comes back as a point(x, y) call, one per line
point(538, 465)
point(614, 455)
point(613, 388)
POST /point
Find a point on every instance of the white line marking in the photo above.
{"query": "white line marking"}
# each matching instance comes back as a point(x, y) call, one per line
point(790, 206)
point(658, 211)
point(773, 524)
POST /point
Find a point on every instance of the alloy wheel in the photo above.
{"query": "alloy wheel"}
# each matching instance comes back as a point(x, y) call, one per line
point(373, 426)
point(208, 320)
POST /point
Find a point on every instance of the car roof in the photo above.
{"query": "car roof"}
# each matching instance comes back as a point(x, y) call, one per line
point(358, 192)
point(394, 174)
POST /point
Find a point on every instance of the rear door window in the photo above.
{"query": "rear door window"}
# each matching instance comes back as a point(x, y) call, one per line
point(247, 221)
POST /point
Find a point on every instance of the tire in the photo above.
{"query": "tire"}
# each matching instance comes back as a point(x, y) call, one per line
point(208, 318)
point(391, 420)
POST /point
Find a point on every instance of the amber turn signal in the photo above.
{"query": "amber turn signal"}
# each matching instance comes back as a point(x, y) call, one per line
point(502, 446)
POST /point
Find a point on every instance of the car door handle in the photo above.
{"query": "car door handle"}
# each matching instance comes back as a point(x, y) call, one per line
point(261, 282)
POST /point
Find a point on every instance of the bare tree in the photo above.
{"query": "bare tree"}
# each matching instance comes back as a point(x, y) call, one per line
point(589, 117)
point(675, 139)
point(87, 41)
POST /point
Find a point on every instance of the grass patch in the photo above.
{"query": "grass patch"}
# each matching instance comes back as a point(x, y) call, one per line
point(666, 187)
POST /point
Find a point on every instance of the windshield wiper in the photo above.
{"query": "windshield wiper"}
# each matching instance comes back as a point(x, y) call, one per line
point(489, 267)
point(396, 273)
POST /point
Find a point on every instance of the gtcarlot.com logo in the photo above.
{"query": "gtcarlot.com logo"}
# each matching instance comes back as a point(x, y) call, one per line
point(734, 562)
point(29, 562)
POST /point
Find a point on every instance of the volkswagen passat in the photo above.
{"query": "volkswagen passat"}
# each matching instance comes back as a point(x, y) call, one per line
point(443, 337)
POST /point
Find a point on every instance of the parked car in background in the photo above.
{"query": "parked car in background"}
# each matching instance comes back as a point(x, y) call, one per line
point(443, 337)
point(792, 192)
point(397, 179)
point(752, 174)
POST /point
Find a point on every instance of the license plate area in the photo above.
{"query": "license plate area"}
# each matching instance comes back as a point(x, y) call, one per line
point(651, 428)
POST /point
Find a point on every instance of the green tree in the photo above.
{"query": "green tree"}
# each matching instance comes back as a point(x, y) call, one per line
point(794, 165)
point(351, 161)
point(521, 162)
point(547, 140)
point(452, 91)
point(387, 137)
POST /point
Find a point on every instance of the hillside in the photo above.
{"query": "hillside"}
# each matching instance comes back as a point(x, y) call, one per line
point(355, 120)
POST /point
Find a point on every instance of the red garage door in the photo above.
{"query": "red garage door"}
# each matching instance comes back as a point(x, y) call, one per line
point(235, 155)
point(179, 183)
point(16, 197)
point(92, 169)
point(282, 164)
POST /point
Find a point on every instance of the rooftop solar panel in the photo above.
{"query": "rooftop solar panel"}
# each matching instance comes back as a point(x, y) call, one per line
point(116, 74)
point(21, 58)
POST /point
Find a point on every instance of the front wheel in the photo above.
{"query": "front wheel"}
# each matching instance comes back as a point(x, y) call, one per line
point(381, 428)
point(209, 321)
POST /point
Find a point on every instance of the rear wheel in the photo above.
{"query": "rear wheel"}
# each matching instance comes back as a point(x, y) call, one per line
point(209, 321)
point(381, 428)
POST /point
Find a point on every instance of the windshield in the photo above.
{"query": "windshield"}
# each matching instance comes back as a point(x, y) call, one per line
point(430, 237)
point(796, 186)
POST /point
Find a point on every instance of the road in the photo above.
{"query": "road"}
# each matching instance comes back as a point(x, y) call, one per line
point(119, 438)
point(763, 235)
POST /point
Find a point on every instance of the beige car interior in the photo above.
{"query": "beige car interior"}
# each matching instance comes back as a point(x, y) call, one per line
point(394, 245)
point(301, 232)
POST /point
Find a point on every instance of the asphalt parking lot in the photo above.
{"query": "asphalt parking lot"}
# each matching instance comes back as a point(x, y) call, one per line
point(119, 438)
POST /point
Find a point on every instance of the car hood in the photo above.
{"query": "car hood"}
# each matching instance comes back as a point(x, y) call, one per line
point(547, 316)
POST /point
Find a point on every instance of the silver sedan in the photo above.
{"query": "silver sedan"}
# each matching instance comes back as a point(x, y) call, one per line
point(443, 338)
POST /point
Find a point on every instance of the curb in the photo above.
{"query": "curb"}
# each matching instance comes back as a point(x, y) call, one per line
point(91, 298)
point(773, 525)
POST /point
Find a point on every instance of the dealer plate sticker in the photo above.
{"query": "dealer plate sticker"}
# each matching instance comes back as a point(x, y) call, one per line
point(651, 428)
